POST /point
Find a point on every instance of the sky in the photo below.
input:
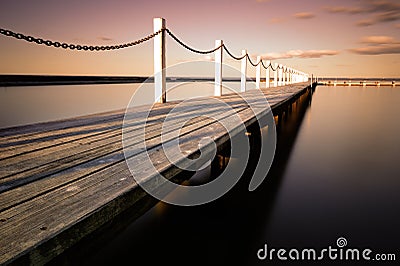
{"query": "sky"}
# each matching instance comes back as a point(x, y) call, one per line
point(327, 38)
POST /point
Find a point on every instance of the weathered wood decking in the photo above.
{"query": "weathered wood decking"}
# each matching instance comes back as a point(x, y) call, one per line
point(60, 181)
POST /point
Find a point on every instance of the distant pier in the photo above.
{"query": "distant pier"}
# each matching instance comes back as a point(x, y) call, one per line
point(362, 83)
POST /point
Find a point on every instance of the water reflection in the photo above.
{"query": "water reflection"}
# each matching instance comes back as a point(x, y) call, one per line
point(226, 231)
point(342, 176)
point(28, 105)
point(33, 104)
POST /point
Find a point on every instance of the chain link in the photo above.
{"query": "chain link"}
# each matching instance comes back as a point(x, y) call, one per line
point(231, 55)
point(190, 48)
point(266, 67)
point(78, 47)
point(251, 62)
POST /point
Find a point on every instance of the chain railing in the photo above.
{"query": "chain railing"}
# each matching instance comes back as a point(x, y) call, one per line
point(282, 75)
point(190, 48)
point(234, 57)
point(78, 47)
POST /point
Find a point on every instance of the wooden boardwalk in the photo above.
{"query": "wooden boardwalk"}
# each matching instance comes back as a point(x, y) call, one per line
point(60, 181)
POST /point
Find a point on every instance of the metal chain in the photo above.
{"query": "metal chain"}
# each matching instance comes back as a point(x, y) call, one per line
point(251, 62)
point(266, 67)
point(190, 48)
point(231, 55)
point(215, 49)
point(78, 47)
point(271, 66)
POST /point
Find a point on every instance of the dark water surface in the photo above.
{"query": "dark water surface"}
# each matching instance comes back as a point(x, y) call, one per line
point(335, 174)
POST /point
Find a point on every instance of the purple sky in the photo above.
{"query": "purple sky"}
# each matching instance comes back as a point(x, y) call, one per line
point(353, 38)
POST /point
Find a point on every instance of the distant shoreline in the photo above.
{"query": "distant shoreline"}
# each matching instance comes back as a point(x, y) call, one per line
point(43, 80)
point(51, 80)
point(16, 80)
point(360, 79)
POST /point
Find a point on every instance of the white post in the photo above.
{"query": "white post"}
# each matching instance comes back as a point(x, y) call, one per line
point(287, 75)
point(280, 75)
point(294, 76)
point(159, 61)
point(276, 75)
point(218, 69)
point(243, 71)
point(267, 85)
point(258, 72)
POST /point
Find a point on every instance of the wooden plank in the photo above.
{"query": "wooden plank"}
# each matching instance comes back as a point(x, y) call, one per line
point(116, 154)
point(48, 161)
point(23, 143)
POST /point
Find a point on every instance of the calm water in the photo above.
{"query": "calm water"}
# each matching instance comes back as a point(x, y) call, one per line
point(33, 104)
point(335, 174)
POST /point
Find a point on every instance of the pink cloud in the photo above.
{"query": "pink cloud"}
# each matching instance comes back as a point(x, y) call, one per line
point(379, 11)
point(343, 9)
point(378, 45)
point(300, 54)
point(103, 38)
point(378, 40)
point(304, 15)
point(276, 20)
point(377, 49)
point(365, 23)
